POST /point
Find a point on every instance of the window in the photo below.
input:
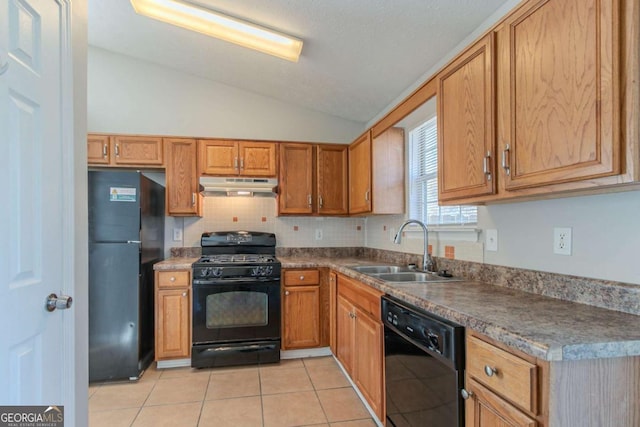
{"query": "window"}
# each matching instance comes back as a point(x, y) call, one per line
point(423, 181)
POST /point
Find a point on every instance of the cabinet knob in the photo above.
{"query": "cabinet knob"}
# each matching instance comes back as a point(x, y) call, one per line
point(184, 294)
point(301, 277)
point(172, 279)
point(466, 394)
point(286, 292)
point(490, 371)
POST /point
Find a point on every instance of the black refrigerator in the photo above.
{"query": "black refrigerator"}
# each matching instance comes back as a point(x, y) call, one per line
point(126, 237)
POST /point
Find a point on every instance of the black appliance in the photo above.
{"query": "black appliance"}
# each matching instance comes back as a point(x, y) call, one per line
point(424, 367)
point(236, 300)
point(126, 237)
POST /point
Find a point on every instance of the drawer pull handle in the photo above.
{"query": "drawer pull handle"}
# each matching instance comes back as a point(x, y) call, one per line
point(490, 371)
point(466, 394)
point(172, 279)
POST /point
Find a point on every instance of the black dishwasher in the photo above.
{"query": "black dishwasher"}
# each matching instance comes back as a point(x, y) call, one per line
point(424, 367)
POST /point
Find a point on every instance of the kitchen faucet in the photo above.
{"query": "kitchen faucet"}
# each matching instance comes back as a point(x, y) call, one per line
point(427, 261)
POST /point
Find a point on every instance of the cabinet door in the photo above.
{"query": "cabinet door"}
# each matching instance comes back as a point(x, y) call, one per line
point(387, 159)
point(360, 175)
point(368, 360)
point(138, 150)
point(98, 151)
point(173, 333)
point(332, 177)
point(218, 157)
point(559, 92)
point(465, 97)
point(301, 317)
point(296, 179)
point(485, 409)
point(182, 178)
point(257, 158)
point(333, 310)
point(345, 330)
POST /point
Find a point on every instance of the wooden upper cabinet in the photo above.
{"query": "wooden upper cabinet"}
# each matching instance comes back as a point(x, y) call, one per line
point(295, 194)
point(125, 151)
point(98, 150)
point(138, 150)
point(466, 142)
point(313, 179)
point(257, 158)
point(182, 192)
point(387, 169)
point(218, 157)
point(376, 173)
point(360, 175)
point(241, 158)
point(332, 179)
point(559, 92)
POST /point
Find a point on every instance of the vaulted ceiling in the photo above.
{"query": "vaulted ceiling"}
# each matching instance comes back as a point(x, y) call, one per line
point(358, 55)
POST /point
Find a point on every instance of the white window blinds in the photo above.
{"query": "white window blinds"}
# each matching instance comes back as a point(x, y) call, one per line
point(423, 186)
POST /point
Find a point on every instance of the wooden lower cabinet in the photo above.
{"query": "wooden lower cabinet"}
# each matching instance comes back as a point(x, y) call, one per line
point(359, 339)
point(173, 314)
point(487, 409)
point(305, 294)
point(508, 388)
point(301, 308)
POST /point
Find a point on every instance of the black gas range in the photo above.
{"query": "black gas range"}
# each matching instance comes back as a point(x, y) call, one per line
point(236, 300)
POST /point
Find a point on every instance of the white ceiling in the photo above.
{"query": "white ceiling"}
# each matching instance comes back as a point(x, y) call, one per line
point(358, 55)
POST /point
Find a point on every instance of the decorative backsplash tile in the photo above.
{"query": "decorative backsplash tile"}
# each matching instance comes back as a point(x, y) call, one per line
point(260, 214)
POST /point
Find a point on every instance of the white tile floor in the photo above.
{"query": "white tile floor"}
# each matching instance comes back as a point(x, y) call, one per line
point(298, 392)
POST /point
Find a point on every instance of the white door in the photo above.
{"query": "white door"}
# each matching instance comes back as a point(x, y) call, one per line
point(36, 202)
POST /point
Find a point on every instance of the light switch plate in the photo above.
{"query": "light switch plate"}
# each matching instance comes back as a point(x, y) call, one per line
point(177, 234)
point(491, 240)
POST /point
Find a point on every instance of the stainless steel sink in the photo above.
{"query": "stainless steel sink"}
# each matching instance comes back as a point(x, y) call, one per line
point(412, 277)
point(377, 269)
point(399, 273)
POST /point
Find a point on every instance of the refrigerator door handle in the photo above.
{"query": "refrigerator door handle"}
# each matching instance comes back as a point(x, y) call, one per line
point(134, 241)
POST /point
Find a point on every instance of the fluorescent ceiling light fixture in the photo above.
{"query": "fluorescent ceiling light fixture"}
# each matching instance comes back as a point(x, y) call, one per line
point(215, 24)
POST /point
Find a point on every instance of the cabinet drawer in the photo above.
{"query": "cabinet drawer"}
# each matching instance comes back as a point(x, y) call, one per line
point(301, 277)
point(365, 297)
point(508, 375)
point(173, 279)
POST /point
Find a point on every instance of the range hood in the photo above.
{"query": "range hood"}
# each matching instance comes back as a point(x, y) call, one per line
point(224, 186)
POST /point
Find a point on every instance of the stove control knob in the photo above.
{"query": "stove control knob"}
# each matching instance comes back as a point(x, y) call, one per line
point(255, 271)
point(204, 272)
point(216, 271)
point(268, 270)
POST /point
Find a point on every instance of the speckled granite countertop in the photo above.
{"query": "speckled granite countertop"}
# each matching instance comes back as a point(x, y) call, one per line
point(544, 327)
point(175, 264)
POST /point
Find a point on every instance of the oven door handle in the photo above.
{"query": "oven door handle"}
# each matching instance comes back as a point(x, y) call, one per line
point(251, 348)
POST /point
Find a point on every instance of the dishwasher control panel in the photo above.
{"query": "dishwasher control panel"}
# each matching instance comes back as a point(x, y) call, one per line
point(425, 329)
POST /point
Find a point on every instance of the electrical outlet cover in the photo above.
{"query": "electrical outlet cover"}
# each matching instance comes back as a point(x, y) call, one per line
point(562, 240)
point(491, 240)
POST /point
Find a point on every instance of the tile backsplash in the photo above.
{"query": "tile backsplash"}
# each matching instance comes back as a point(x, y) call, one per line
point(260, 214)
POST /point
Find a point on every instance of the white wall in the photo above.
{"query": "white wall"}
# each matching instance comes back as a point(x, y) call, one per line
point(127, 95)
point(605, 229)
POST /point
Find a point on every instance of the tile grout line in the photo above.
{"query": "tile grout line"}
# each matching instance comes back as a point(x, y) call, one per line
point(261, 400)
point(204, 399)
point(315, 391)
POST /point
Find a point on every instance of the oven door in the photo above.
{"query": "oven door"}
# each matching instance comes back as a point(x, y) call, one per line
point(235, 311)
